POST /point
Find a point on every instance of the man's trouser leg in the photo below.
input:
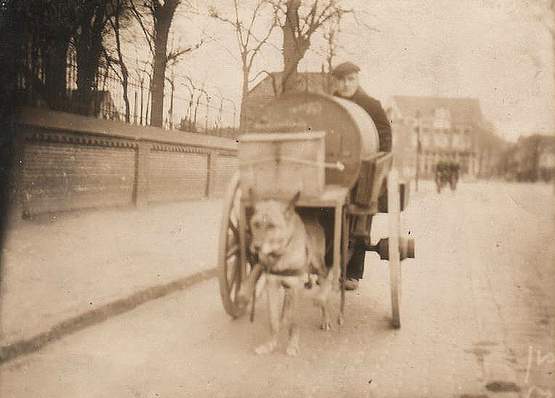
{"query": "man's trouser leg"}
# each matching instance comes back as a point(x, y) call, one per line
point(360, 236)
point(355, 266)
point(357, 243)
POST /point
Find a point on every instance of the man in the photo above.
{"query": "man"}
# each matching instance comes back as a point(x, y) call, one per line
point(346, 75)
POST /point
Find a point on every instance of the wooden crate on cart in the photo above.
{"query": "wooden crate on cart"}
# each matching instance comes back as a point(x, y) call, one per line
point(279, 165)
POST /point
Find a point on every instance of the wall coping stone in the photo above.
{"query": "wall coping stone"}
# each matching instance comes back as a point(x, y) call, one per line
point(69, 122)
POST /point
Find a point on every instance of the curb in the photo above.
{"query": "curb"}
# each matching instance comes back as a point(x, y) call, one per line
point(98, 315)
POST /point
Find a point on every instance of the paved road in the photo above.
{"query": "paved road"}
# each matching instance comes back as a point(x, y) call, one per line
point(477, 321)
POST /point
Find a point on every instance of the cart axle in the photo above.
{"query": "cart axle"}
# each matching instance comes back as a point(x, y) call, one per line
point(406, 248)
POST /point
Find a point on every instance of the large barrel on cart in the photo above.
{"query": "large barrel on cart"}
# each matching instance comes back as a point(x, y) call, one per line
point(350, 134)
point(326, 148)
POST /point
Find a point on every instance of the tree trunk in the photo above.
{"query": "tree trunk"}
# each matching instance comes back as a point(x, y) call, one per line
point(125, 85)
point(244, 117)
point(163, 18)
point(85, 74)
point(89, 49)
point(158, 77)
point(195, 115)
point(123, 67)
point(55, 66)
point(294, 46)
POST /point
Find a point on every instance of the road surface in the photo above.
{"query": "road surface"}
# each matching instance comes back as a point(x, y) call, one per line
point(477, 321)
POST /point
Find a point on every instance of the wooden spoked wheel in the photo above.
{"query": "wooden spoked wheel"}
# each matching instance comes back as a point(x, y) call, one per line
point(394, 216)
point(231, 274)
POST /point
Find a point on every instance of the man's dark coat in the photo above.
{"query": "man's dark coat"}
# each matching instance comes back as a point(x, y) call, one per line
point(374, 108)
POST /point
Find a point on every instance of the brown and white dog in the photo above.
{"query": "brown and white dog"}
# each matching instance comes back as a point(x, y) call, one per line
point(289, 251)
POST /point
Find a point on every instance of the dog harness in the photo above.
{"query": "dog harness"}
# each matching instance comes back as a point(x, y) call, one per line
point(289, 272)
point(284, 272)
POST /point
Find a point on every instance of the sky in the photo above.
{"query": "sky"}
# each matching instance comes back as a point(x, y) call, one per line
point(499, 51)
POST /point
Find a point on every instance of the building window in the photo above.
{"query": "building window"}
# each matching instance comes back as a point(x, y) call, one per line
point(440, 140)
point(442, 118)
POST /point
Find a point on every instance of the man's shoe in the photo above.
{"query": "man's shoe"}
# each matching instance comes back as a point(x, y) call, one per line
point(351, 284)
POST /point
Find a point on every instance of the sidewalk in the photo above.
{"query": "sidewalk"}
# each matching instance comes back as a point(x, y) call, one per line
point(65, 269)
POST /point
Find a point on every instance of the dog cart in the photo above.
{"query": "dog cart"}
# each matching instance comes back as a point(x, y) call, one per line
point(326, 148)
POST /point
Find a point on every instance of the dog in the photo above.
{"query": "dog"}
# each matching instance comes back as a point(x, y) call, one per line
point(289, 252)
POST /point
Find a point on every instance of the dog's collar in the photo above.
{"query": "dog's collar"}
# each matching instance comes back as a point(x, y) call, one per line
point(290, 271)
point(287, 272)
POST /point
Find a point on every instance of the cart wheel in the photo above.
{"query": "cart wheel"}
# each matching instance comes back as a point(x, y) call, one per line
point(231, 275)
point(394, 215)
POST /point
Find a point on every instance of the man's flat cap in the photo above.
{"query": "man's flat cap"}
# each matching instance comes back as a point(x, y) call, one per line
point(344, 69)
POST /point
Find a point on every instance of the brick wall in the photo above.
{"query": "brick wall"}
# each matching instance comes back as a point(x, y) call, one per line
point(68, 162)
point(225, 166)
point(176, 173)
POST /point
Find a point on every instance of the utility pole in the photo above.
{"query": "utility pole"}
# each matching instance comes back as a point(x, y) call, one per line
point(418, 149)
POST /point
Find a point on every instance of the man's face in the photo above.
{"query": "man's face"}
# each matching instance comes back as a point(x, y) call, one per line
point(347, 85)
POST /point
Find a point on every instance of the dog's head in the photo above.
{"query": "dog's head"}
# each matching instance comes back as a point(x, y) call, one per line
point(272, 228)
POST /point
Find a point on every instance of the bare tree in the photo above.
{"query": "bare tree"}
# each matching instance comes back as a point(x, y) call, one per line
point(51, 32)
point(46, 33)
point(92, 21)
point(120, 12)
point(248, 42)
point(156, 32)
point(190, 121)
point(331, 38)
point(299, 20)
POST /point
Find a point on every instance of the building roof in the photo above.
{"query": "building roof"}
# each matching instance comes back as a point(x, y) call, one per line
point(264, 91)
point(462, 110)
point(313, 80)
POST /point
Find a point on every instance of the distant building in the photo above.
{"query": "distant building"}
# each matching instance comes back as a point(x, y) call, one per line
point(269, 87)
point(532, 158)
point(450, 129)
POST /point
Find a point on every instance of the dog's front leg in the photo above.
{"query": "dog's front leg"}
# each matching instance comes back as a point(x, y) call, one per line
point(289, 318)
point(322, 299)
point(272, 289)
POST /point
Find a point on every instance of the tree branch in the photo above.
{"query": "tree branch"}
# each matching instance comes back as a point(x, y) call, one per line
point(111, 61)
point(271, 75)
point(139, 17)
point(174, 55)
point(253, 18)
point(261, 42)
